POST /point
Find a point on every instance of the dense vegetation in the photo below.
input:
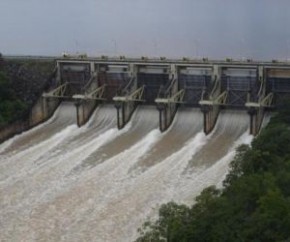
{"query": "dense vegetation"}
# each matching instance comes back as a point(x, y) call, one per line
point(21, 84)
point(254, 204)
point(10, 105)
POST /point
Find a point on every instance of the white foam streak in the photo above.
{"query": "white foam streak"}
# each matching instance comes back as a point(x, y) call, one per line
point(19, 163)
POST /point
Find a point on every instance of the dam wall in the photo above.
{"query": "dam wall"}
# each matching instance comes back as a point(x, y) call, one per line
point(167, 84)
point(41, 111)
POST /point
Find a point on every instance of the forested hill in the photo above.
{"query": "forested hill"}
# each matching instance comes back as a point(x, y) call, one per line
point(254, 204)
point(11, 106)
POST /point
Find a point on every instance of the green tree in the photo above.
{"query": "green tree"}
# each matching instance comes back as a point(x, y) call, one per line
point(169, 227)
point(10, 106)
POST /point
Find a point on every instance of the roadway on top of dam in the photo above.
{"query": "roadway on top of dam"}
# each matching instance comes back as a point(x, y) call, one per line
point(204, 62)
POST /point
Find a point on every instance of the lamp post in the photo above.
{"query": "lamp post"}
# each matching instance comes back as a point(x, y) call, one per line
point(115, 46)
point(195, 41)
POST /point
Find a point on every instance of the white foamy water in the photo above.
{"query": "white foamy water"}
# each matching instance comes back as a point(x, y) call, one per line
point(65, 115)
point(194, 182)
point(15, 164)
point(97, 183)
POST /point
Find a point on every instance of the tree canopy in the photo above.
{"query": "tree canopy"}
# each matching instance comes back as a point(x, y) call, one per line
point(10, 106)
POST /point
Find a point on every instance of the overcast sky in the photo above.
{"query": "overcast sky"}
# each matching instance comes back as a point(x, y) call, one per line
point(256, 29)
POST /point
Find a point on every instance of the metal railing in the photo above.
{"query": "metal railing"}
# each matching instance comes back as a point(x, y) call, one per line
point(96, 94)
point(135, 96)
point(58, 92)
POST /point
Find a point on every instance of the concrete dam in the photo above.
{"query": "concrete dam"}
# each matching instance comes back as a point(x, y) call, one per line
point(116, 138)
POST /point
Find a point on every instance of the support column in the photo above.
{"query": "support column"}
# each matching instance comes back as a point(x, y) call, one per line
point(92, 67)
point(85, 109)
point(256, 109)
point(86, 103)
point(256, 119)
point(210, 115)
point(125, 111)
point(167, 108)
point(211, 107)
point(58, 72)
point(126, 104)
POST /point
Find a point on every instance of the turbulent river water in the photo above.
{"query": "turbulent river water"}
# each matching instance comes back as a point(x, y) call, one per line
point(59, 182)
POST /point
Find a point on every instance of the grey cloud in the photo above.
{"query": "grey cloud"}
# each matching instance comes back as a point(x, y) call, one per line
point(214, 28)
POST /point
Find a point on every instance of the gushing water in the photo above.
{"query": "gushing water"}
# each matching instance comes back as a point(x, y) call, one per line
point(96, 183)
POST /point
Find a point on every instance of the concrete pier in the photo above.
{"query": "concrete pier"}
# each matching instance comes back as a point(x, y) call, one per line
point(168, 99)
point(128, 97)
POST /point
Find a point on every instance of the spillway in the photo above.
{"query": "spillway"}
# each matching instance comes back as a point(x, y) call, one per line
point(187, 124)
point(144, 121)
point(96, 183)
point(230, 126)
